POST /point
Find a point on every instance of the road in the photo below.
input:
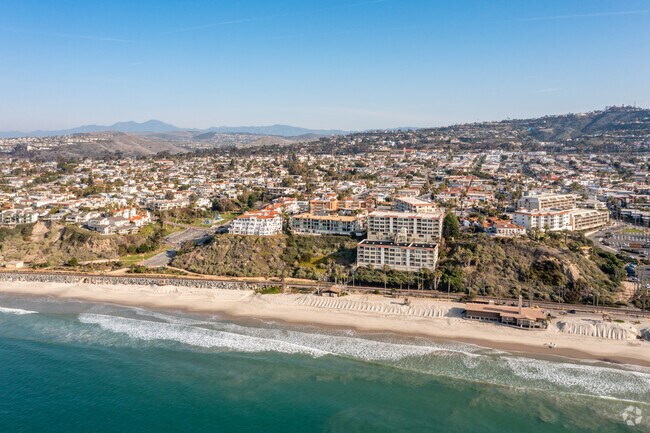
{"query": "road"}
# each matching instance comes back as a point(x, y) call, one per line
point(190, 234)
point(159, 260)
point(175, 241)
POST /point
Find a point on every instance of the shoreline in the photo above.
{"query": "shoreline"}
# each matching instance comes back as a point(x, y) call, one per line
point(380, 315)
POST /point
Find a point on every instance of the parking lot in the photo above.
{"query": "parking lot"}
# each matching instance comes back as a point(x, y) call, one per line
point(637, 244)
point(632, 240)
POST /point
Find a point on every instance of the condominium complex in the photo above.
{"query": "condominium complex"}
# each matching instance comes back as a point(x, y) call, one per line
point(551, 220)
point(547, 202)
point(308, 223)
point(557, 212)
point(257, 223)
point(329, 203)
point(411, 204)
point(403, 256)
point(586, 219)
point(416, 227)
point(402, 241)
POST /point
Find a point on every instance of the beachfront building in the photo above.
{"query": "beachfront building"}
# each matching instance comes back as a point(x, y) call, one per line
point(522, 317)
point(264, 222)
point(545, 220)
point(588, 219)
point(415, 227)
point(547, 202)
point(401, 256)
point(554, 220)
point(414, 205)
point(312, 224)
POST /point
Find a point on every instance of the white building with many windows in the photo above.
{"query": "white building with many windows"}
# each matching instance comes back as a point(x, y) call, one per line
point(415, 205)
point(417, 227)
point(257, 223)
point(409, 256)
point(547, 202)
point(307, 223)
point(545, 220)
point(554, 220)
point(10, 217)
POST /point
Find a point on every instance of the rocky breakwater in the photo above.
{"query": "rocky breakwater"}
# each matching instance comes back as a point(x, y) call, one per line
point(126, 280)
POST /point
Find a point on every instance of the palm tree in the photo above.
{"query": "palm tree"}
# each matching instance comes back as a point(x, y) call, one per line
point(437, 276)
point(425, 273)
point(385, 268)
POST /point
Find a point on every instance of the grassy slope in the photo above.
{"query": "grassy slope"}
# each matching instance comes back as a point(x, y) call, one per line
point(55, 243)
point(276, 256)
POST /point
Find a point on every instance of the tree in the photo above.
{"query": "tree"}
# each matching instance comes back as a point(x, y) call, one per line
point(437, 275)
point(450, 227)
point(385, 268)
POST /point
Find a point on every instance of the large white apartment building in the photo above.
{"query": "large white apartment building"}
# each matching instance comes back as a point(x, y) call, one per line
point(409, 256)
point(414, 227)
point(308, 223)
point(557, 212)
point(258, 223)
point(415, 205)
point(551, 220)
point(547, 202)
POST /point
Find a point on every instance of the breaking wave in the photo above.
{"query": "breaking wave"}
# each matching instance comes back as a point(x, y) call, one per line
point(17, 311)
point(247, 339)
point(452, 360)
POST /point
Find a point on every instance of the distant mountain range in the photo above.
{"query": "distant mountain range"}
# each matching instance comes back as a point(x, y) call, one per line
point(156, 126)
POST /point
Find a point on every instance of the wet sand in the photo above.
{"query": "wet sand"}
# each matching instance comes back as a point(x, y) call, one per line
point(435, 319)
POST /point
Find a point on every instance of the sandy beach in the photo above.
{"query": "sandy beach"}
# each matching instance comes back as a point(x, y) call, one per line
point(366, 313)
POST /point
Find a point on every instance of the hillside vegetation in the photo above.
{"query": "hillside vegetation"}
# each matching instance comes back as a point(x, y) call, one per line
point(55, 244)
point(276, 256)
point(554, 266)
point(551, 267)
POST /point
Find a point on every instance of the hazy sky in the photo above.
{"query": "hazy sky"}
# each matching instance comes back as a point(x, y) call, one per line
point(353, 64)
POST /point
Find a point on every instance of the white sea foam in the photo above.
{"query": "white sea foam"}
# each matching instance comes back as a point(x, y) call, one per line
point(17, 311)
point(450, 360)
point(191, 335)
point(595, 380)
point(249, 339)
point(177, 320)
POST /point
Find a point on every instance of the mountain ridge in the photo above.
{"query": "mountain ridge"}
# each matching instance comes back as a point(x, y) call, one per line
point(156, 126)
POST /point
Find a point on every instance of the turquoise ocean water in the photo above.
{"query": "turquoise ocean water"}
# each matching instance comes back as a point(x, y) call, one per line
point(80, 367)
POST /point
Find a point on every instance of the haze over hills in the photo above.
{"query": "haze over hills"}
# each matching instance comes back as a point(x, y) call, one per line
point(156, 126)
point(612, 129)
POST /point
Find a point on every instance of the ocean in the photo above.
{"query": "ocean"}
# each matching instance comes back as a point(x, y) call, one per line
point(82, 367)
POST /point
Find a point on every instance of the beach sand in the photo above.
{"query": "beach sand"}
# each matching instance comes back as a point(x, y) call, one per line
point(435, 319)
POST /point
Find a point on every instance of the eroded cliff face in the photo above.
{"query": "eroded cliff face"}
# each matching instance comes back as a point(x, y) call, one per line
point(55, 243)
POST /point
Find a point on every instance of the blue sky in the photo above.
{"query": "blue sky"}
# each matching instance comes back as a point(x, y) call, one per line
point(353, 64)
